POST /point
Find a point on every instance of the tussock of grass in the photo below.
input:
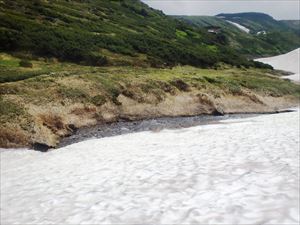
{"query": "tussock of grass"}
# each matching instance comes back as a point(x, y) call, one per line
point(98, 100)
point(9, 110)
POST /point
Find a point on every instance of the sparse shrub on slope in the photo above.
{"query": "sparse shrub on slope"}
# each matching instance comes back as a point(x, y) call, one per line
point(25, 63)
point(77, 31)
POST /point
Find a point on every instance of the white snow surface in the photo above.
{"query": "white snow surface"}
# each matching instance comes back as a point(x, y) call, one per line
point(288, 62)
point(238, 171)
point(241, 27)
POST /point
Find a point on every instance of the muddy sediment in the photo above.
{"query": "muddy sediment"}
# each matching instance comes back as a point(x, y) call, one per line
point(153, 125)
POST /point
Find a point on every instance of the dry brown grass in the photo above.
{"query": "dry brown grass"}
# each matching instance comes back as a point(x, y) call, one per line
point(83, 110)
point(205, 99)
point(53, 122)
point(13, 137)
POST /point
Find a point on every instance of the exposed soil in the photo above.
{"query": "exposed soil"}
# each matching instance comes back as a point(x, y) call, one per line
point(54, 124)
point(153, 125)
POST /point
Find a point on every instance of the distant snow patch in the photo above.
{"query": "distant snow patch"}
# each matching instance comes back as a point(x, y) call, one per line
point(261, 32)
point(287, 62)
point(245, 29)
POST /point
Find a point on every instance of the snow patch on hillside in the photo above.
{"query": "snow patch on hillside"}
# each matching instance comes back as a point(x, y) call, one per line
point(263, 32)
point(241, 27)
point(287, 62)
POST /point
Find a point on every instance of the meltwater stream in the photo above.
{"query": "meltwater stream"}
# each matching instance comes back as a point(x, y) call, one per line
point(239, 171)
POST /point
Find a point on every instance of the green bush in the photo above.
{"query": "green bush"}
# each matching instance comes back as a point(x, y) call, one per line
point(262, 65)
point(77, 30)
point(25, 63)
point(211, 80)
point(94, 60)
point(180, 85)
point(235, 89)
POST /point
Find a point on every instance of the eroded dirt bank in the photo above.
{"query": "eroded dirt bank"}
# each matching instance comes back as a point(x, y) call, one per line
point(42, 110)
point(53, 122)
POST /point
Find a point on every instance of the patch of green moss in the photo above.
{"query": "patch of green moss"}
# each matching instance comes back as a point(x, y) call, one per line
point(181, 34)
point(9, 62)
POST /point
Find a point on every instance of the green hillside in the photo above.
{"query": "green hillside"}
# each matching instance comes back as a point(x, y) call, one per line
point(254, 21)
point(293, 24)
point(107, 32)
point(54, 99)
point(267, 36)
point(68, 64)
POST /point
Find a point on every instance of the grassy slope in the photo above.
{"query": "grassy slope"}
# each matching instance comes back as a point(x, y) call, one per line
point(82, 91)
point(107, 32)
point(52, 98)
point(280, 38)
point(256, 21)
point(293, 24)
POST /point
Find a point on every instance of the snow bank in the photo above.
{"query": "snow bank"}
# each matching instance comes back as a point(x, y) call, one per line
point(241, 27)
point(242, 171)
point(288, 62)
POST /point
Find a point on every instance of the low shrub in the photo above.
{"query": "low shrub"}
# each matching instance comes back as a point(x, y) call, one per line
point(180, 84)
point(211, 80)
point(26, 64)
point(98, 100)
point(234, 89)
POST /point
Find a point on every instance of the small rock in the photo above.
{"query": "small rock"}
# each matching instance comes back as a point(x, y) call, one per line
point(41, 147)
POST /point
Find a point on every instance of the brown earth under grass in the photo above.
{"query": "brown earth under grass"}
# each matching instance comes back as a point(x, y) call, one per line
point(46, 108)
point(51, 123)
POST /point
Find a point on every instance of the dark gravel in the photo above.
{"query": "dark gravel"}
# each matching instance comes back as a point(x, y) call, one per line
point(125, 127)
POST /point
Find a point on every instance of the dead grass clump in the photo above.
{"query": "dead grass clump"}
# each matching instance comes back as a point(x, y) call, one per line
point(205, 99)
point(180, 85)
point(12, 137)
point(166, 87)
point(83, 110)
point(252, 97)
point(53, 122)
point(134, 92)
